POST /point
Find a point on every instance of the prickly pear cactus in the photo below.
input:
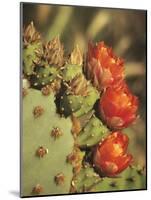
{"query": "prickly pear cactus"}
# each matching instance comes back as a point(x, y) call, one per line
point(79, 98)
point(32, 49)
point(93, 132)
point(47, 142)
point(131, 179)
point(41, 62)
point(89, 181)
point(44, 75)
point(66, 140)
point(73, 66)
point(70, 71)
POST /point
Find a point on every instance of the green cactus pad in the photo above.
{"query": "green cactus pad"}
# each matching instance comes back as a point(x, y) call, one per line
point(92, 133)
point(31, 55)
point(85, 179)
point(70, 71)
point(89, 181)
point(78, 104)
point(44, 75)
point(47, 141)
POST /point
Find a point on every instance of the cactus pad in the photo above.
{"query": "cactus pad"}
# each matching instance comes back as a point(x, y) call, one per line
point(43, 161)
point(78, 104)
point(89, 181)
point(44, 75)
point(92, 133)
point(31, 56)
point(70, 71)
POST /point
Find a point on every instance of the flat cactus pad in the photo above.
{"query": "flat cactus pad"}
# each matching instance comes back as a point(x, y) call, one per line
point(47, 141)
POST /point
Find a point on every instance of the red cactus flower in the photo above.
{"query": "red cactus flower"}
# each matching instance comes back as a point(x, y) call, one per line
point(118, 107)
point(103, 67)
point(110, 156)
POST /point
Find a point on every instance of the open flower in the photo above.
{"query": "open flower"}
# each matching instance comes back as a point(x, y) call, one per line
point(110, 156)
point(103, 68)
point(118, 107)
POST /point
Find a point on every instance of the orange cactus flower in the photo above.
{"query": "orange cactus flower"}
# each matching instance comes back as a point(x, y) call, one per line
point(118, 107)
point(110, 156)
point(103, 68)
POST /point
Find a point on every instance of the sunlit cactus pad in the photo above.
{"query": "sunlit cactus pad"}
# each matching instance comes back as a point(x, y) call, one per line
point(89, 181)
point(47, 141)
point(75, 107)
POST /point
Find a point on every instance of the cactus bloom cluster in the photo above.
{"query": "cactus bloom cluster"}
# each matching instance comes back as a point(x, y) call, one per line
point(117, 107)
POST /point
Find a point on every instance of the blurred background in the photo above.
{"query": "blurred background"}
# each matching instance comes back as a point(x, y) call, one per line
point(123, 30)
